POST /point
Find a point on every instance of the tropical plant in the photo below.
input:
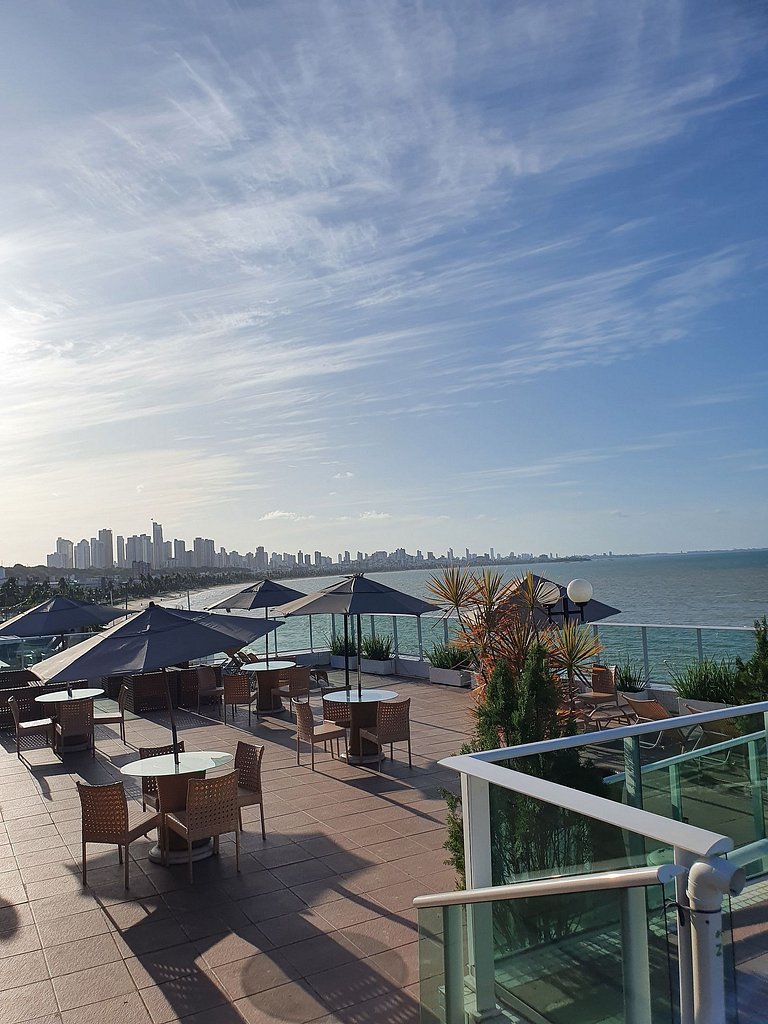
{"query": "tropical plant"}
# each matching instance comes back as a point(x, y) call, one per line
point(630, 677)
point(448, 656)
point(377, 648)
point(706, 680)
point(572, 649)
point(752, 675)
point(337, 646)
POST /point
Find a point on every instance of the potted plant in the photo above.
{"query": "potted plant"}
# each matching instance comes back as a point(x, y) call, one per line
point(630, 678)
point(338, 652)
point(705, 685)
point(376, 655)
point(449, 665)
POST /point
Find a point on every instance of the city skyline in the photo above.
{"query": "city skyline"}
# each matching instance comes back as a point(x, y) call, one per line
point(372, 275)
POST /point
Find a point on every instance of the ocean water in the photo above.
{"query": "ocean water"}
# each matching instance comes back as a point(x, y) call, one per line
point(666, 592)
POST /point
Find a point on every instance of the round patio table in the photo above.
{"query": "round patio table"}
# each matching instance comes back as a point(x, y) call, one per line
point(267, 680)
point(63, 697)
point(172, 781)
point(362, 713)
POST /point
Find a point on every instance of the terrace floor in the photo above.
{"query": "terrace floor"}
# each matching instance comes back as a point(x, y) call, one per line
point(318, 926)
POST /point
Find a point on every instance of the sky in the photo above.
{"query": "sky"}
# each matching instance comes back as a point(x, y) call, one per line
point(360, 275)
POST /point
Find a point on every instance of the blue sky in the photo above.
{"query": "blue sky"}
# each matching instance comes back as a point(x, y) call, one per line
point(356, 275)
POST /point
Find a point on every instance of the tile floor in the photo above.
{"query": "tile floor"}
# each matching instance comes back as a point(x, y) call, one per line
point(318, 926)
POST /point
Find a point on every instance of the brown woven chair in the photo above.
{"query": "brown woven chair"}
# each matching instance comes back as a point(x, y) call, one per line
point(209, 691)
point(334, 711)
point(74, 718)
point(319, 678)
point(149, 782)
point(297, 686)
point(237, 690)
point(106, 820)
point(393, 725)
point(20, 708)
point(652, 711)
point(211, 811)
point(248, 758)
point(308, 732)
point(110, 718)
point(188, 684)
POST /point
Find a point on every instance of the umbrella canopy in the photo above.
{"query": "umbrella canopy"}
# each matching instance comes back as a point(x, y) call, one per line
point(594, 611)
point(357, 595)
point(150, 640)
point(59, 615)
point(265, 594)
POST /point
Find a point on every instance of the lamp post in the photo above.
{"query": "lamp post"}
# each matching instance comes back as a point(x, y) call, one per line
point(577, 594)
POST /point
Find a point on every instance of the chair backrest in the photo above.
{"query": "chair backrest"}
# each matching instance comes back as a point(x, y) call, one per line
point(298, 680)
point(393, 720)
point(724, 729)
point(604, 679)
point(648, 710)
point(13, 704)
point(188, 682)
point(335, 710)
point(17, 677)
point(206, 678)
point(105, 812)
point(75, 717)
point(149, 782)
point(237, 689)
point(320, 676)
point(212, 806)
point(248, 758)
point(305, 720)
point(122, 699)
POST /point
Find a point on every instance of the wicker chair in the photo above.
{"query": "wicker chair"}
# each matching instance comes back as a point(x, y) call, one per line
point(188, 683)
point(237, 690)
point(110, 718)
point(74, 718)
point(211, 811)
point(28, 727)
point(319, 678)
point(208, 689)
point(296, 687)
point(149, 782)
point(334, 711)
point(248, 758)
point(393, 725)
point(106, 820)
point(308, 732)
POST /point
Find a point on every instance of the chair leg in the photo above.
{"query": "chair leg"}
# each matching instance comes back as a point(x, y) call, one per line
point(127, 862)
point(84, 867)
point(312, 748)
point(249, 714)
point(240, 817)
point(263, 830)
point(189, 859)
point(119, 854)
point(298, 761)
point(237, 850)
point(410, 762)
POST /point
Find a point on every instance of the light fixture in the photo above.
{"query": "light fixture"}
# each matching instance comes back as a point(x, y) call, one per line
point(577, 594)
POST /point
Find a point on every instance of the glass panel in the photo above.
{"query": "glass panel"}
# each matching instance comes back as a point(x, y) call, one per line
point(620, 644)
point(586, 958)
point(727, 643)
point(745, 924)
point(670, 650)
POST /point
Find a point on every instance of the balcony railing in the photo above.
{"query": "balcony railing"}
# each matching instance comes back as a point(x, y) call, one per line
point(573, 946)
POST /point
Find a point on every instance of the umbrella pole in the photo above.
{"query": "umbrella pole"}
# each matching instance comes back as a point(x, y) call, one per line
point(346, 653)
point(359, 659)
point(174, 734)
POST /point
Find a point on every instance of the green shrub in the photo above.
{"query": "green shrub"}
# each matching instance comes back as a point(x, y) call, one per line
point(752, 675)
point(377, 648)
point(706, 680)
point(448, 656)
point(630, 677)
point(336, 646)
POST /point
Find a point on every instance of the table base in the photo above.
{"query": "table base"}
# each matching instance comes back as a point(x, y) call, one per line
point(362, 758)
point(201, 850)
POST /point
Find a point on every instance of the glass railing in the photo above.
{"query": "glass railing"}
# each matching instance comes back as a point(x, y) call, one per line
point(596, 957)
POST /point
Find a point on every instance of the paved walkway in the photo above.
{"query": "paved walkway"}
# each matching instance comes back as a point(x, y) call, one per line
point(318, 926)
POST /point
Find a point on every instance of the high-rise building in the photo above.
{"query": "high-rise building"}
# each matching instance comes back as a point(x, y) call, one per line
point(157, 546)
point(318, 558)
point(121, 551)
point(66, 550)
point(260, 559)
point(97, 553)
point(180, 552)
point(83, 555)
point(105, 538)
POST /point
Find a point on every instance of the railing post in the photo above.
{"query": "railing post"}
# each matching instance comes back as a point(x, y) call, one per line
point(311, 640)
point(633, 778)
point(394, 634)
point(676, 792)
point(699, 646)
point(333, 628)
point(756, 787)
point(453, 965)
point(646, 662)
point(421, 642)
point(685, 963)
point(373, 627)
point(445, 630)
point(634, 955)
point(476, 815)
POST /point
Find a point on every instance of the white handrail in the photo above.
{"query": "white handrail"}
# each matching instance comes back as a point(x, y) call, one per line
point(632, 878)
point(673, 833)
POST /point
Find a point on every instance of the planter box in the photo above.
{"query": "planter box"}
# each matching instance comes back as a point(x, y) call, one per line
point(338, 661)
point(635, 694)
point(378, 668)
point(698, 705)
point(449, 676)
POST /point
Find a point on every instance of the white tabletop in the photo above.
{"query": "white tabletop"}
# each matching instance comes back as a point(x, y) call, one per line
point(262, 666)
point(63, 697)
point(165, 764)
point(366, 697)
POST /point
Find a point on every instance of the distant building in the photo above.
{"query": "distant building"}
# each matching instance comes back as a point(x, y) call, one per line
point(121, 551)
point(83, 555)
point(157, 546)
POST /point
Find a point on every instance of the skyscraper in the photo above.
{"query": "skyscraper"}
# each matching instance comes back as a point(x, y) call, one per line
point(157, 546)
point(83, 555)
point(121, 551)
point(65, 548)
point(105, 537)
